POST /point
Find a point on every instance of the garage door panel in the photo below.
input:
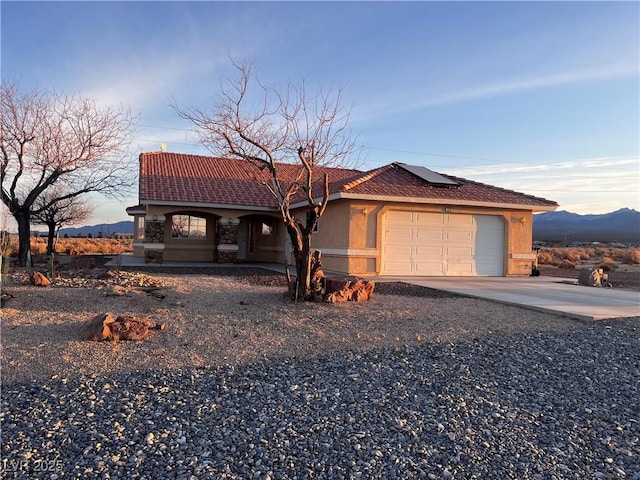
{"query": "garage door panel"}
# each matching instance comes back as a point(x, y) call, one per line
point(398, 251)
point(460, 253)
point(396, 217)
point(396, 268)
point(459, 220)
point(429, 251)
point(422, 218)
point(429, 269)
point(398, 233)
point(455, 236)
point(428, 235)
point(460, 269)
point(442, 244)
point(488, 256)
point(486, 268)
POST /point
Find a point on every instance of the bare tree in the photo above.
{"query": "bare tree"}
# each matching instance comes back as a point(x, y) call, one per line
point(289, 127)
point(48, 138)
point(69, 211)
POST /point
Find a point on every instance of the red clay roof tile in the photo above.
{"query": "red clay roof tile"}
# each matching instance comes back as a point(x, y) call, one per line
point(172, 177)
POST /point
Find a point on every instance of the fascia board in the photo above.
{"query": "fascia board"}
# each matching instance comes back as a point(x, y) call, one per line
point(223, 206)
point(433, 201)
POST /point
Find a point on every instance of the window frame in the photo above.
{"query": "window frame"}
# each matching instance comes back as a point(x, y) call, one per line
point(190, 228)
point(271, 225)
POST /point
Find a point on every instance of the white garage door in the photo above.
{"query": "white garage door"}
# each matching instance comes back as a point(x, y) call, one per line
point(442, 244)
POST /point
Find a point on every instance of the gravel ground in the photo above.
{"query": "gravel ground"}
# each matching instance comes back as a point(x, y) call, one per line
point(531, 396)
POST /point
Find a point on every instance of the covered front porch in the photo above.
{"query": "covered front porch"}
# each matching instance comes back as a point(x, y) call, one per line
point(207, 236)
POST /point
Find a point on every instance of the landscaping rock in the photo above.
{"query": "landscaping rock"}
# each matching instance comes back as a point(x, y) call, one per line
point(124, 327)
point(358, 291)
point(99, 327)
point(39, 279)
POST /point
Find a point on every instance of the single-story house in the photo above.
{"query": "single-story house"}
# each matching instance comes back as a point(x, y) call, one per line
point(396, 220)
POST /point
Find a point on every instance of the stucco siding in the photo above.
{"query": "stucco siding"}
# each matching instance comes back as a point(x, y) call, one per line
point(349, 235)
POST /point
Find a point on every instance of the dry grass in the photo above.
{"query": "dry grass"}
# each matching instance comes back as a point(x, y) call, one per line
point(106, 246)
point(609, 258)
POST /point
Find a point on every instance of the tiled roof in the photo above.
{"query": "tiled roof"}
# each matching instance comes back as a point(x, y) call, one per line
point(172, 177)
point(199, 179)
point(398, 182)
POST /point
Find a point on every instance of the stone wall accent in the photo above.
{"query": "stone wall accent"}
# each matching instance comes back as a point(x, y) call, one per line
point(154, 233)
point(153, 256)
point(227, 240)
point(228, 231)
point(227, 257)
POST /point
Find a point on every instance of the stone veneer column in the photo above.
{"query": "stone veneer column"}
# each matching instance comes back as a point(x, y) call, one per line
point(227, 240)
point(154, 238)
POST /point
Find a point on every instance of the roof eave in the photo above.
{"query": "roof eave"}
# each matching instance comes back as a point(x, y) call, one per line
point(135, 210)
point(223, 206)
point(435, 201)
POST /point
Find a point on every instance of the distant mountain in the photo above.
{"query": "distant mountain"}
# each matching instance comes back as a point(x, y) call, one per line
point(622, 226)
point(106, 229)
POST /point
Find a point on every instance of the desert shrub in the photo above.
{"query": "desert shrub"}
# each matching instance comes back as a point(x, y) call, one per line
point(583, 254)
point(120, 245)
point(572, 255)
point(608, 264)
point(616, 253)
point(629, 256)
point(38, 246)
point(107, 246)
point(632, 256)
point(545, 258)
point(566, 264)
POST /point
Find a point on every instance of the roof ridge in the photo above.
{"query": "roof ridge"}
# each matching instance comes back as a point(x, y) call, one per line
point(368, 176)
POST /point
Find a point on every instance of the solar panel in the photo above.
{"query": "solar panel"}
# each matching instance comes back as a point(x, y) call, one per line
point(428, 175)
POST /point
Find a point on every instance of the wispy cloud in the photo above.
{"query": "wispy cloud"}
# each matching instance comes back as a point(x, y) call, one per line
point(419, 100)
point(591, 185)
point(575, 165)
point(147, 82)
point(521, 85)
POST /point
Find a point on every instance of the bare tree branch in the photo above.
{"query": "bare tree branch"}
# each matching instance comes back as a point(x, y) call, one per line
point(48, 138)
point(288, 132)
point(55, 208)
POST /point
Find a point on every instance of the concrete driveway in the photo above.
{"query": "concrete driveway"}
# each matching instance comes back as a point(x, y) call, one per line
point(547, 294)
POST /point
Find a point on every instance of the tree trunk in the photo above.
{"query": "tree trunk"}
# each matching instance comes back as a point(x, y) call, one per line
point(51, 237)
point(24, 233)
point(301, 288)
point(303, 270)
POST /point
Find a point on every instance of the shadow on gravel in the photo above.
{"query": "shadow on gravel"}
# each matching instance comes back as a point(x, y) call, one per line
point(525, 406)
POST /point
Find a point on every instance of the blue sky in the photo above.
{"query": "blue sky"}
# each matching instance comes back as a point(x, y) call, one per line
point(540, 97)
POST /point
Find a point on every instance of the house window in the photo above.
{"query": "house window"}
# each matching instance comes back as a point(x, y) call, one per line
point(269, 227)
point(187, 226)
point(139, 230)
